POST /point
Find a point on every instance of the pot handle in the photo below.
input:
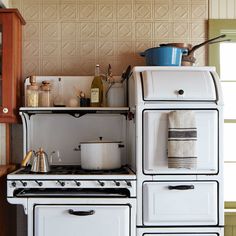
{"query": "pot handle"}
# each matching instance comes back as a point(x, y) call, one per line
point(142, 54)
point(184, 51)
point(121, 145)
point(77, 148)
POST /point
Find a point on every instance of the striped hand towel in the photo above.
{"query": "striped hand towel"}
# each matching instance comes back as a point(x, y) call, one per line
point(182, 139)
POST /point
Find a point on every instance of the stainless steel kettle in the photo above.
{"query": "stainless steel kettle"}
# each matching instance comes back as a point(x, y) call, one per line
point(39, 162)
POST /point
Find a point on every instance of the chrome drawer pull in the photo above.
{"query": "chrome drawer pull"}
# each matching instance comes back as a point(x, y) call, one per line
point(181, 187)
point(81, 213)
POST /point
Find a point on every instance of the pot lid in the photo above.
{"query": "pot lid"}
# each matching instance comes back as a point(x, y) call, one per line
point(100, 140)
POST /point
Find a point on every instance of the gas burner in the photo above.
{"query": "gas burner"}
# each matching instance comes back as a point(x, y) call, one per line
point(76, 170)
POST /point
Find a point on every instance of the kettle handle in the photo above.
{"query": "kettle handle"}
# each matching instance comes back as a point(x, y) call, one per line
point(27, 158)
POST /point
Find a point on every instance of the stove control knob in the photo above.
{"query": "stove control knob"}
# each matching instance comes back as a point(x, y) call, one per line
point(117, 183)
point(101, 183)
point(13, 184)
point(24, 183)
point(128, 183)
point(77, 183)
point(181, 92)
point(39, 183)
point(62, 183)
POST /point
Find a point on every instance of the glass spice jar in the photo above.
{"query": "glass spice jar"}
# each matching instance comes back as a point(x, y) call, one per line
point(32, 93)
point(45, 94)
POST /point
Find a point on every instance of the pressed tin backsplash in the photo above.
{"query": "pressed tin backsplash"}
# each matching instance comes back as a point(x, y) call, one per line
point(68, 37)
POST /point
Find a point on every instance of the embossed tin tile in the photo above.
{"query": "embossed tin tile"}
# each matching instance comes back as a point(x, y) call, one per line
point(163, 30)
point(50, 11)
point(89, 30)
point(51, 31)
point(68, 48)
point(68, 30)
point(107, 30)
point(143, 10)
point(125, 31)
point(32, 10)
point(125, 10)
point(106, 10)
point(50, 49)
point(32, 31)
point(143, 30)
point(162, 10)
point(31, 48)
point(68, 11)
point(87, 10)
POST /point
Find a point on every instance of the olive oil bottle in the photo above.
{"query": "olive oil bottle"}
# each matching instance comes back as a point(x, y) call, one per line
point(96, 89)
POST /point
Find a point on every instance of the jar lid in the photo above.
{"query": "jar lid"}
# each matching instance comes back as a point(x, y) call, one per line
point(32, 87)
point(45, 85)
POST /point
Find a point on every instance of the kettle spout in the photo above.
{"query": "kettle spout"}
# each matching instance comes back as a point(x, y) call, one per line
point(27, 158)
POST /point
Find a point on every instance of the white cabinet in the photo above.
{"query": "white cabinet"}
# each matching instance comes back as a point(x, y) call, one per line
point(155, 131)
point(85, 220)
point(180, 203)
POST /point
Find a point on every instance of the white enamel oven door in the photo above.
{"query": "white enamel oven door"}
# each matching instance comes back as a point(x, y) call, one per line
point(155, 135)
point(180, 203)
point(87, 217)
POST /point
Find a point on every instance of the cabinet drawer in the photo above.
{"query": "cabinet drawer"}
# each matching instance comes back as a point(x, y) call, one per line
point(155, 123)
point(88, 220)
point(179, 234)
point(167, 84)
point(180, 203)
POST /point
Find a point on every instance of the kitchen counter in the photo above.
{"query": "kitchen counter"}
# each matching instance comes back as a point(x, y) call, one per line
point(5, 169)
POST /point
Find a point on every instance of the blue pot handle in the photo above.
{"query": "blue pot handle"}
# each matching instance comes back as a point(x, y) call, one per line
point(142, 54)
point(184, 51)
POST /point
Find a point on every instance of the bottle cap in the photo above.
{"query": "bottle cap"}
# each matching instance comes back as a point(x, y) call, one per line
point(32, 79)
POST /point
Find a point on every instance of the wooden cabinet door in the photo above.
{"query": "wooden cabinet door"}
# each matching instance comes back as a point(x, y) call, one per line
point(10, 64)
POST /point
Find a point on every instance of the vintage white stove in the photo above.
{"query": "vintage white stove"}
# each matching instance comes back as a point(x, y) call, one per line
point(170, 201)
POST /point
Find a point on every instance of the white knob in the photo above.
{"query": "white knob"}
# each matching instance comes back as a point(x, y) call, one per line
point(5, 110)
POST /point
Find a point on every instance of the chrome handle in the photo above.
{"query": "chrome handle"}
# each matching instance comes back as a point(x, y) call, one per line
point(5, 110)
point(81, 213)
point(181, 187)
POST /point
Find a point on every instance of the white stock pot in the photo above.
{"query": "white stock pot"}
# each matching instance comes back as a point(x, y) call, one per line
point(100, 155)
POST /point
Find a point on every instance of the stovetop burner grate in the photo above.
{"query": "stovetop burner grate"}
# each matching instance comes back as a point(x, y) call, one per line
point(76, 170)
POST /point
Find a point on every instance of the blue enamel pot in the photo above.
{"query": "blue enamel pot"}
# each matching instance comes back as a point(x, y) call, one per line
point(164, 56)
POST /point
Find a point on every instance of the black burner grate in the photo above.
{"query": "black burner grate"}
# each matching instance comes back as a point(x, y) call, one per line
point(76, 170)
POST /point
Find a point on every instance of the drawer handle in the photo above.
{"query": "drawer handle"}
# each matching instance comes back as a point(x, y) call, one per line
point(81, 213)
point(181, 187)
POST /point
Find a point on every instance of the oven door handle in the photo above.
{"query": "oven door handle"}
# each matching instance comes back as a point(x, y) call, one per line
point(81, 213)
point(181, 187)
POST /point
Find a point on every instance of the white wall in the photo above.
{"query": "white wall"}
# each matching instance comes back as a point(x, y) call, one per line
point(222, 9)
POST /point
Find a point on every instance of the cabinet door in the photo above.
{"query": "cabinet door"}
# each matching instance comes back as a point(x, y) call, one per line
point(84, 220)
point(180, 203)
point(10, 64)
point(155, 124)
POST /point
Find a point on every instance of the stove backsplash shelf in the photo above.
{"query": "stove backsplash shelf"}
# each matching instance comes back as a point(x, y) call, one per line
point(75, 111)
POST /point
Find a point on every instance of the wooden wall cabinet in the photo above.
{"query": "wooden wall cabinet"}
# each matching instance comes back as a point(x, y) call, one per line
point(10, 64)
